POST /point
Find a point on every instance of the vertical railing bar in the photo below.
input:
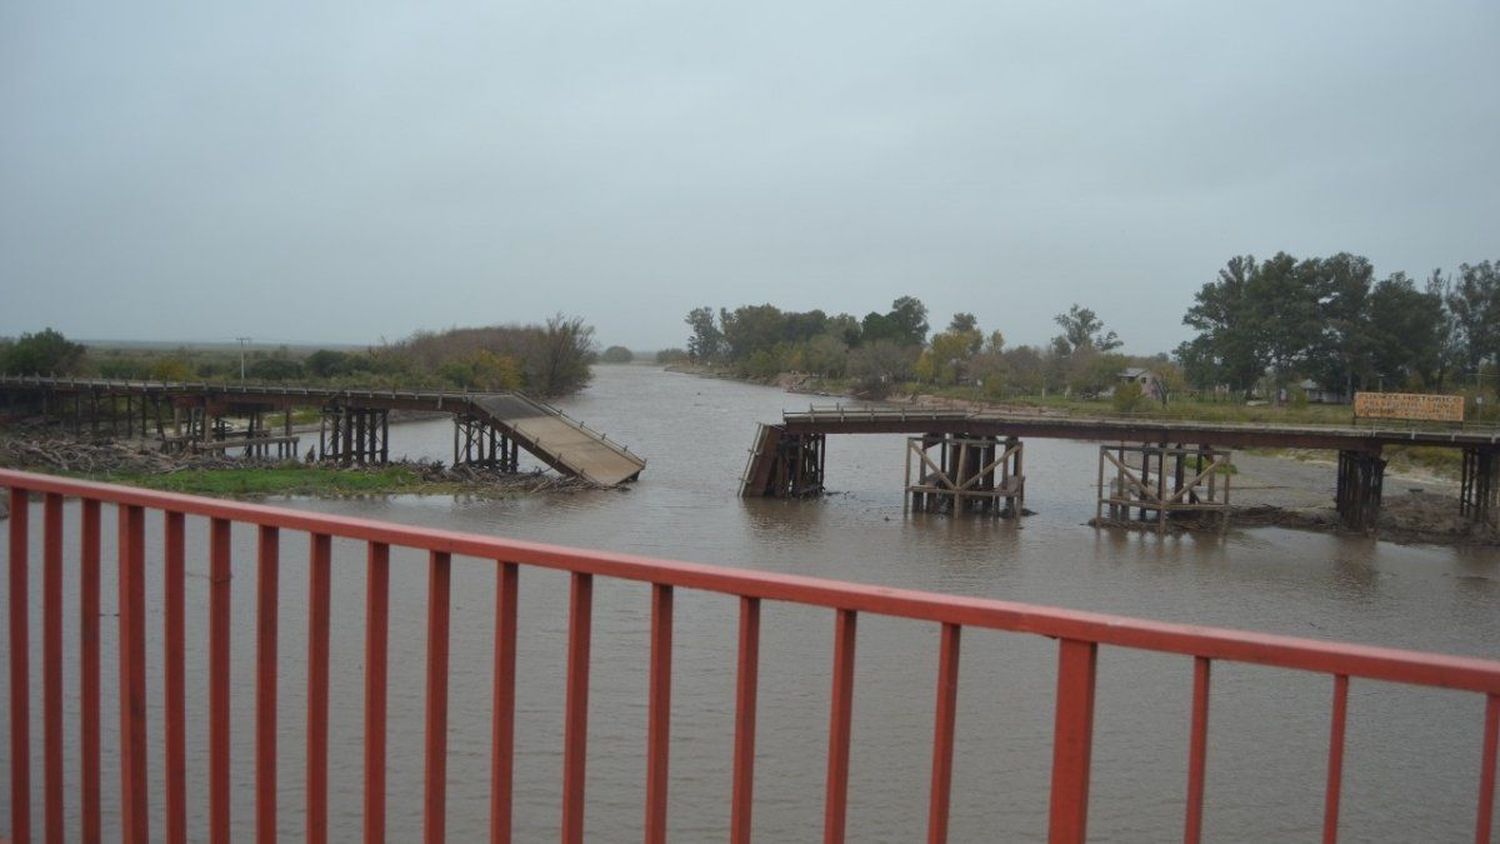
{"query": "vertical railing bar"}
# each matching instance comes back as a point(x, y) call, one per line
point(746, 686)
point(52, 662)
point(503, 723)
point(659, 715)
point(944, 722)
point(319, 591)
point(840, 722)
point(377, 626)
point(175, 674)
point(1072, 741)
point(131, 525)
point(266, 595)
point(88, 670)
point(434, 824)
point(576, 706)
point(1198, 750)
point(1335, 758)
point(219, 714)
point(1486, 820)
point(20, 671)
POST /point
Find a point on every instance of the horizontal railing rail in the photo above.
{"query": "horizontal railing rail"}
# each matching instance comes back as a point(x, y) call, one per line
point(1079, 635)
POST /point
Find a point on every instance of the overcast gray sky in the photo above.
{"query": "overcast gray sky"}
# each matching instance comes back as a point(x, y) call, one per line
point(349, 171)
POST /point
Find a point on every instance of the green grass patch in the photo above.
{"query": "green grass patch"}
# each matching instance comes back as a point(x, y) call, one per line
point(284, 480)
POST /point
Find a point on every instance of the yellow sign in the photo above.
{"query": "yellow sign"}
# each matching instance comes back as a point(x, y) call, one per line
point(1409, 406)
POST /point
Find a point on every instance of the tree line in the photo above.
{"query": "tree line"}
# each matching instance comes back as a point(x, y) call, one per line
point(1328, 319)
point(1260, 325)
point(886, 348)
point(548, 359)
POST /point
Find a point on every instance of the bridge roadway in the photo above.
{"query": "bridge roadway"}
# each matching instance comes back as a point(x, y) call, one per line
point(561, 442)
point(841, 420)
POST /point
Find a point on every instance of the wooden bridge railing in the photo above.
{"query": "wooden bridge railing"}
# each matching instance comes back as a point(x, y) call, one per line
point(1079, 636)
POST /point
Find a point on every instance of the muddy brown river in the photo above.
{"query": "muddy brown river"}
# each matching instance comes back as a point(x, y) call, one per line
point(1412, 758)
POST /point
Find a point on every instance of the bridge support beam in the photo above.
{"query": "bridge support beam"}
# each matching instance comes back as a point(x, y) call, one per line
point(1361, 475)
point(1479, 492)
point(971, 474)
point(1155, 483)
point(478, 443)
point(784, 465)
point(354, 435)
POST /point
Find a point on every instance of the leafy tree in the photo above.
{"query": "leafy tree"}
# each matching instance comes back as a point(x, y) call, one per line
point(557, 362)
point(327, 363)
point(827, 355)
point(909, 316)
point(1340, 286)
point(751, 328)
point(1406, 333)
point(1082, 329)
point(617, 354)
point(707, 341)
point(1475, 303)
point(877, 367)
point(1256, 315)
point(44, 353)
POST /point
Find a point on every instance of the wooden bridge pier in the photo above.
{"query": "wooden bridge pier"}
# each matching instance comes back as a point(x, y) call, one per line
point(784, 465)
point(1479, 494)
point(1158, 482)
point(350, 435)
point(972, 474)
point(477, 442)
point(1361, 475)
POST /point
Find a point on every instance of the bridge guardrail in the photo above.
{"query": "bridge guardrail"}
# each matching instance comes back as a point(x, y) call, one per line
point(1079, 636)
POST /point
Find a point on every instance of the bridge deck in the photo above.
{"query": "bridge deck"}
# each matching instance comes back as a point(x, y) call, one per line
point(841, 420)
point(544, 431)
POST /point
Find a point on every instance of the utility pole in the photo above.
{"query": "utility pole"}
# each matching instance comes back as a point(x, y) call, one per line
point(243, 341)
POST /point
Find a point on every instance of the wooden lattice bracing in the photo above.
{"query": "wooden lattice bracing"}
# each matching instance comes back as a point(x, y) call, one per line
point(476, 442)
point(1157, 483)
point(964, 474)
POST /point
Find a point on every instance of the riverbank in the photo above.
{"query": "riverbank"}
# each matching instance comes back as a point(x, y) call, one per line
point(140, 464)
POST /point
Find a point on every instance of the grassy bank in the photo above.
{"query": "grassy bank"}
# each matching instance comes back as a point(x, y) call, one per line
point(285, 480)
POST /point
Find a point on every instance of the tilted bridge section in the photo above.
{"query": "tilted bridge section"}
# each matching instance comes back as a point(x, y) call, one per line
point(490, 429)
point(1154, 466)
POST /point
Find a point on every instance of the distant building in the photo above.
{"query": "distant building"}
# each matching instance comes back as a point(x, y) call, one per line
point(1151, 385)
point(1318, 394)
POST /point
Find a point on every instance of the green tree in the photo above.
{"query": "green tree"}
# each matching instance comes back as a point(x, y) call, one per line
point(1406, 333)
point(878, 367)
point(557, 358)
point(1340, 287)
point(1475, 303)
point(751, 328)
point(46, 352)
point(909, 317)
point(327, 363)
point(707, 341)
point(1082, 329)
point(617, 354)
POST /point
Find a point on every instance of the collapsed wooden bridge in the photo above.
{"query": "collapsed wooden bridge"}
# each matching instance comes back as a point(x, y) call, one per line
point(1159, 468)
point(490, 429)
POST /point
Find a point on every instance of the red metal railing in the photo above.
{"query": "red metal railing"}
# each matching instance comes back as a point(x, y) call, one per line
point(1079, 636)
